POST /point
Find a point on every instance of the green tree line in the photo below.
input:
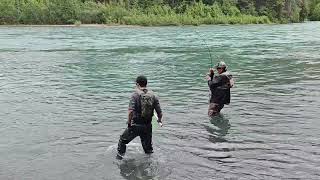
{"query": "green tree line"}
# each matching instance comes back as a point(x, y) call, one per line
point(157, 12)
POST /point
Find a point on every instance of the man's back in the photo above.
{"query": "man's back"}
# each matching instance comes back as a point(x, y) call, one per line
point(143, 102)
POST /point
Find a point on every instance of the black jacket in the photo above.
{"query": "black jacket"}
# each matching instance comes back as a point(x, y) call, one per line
point(220, 88)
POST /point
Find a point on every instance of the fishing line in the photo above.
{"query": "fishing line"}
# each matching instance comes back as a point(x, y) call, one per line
point(207, 46)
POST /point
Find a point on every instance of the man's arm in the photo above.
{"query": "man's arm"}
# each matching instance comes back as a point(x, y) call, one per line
point(215, 82)
point(130, 116)
point(157, 107)
point(132, 106)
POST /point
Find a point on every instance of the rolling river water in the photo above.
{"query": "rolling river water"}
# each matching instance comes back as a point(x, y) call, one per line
point(64, 94)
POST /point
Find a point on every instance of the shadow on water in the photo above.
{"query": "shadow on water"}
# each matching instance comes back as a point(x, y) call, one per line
point(220, 128)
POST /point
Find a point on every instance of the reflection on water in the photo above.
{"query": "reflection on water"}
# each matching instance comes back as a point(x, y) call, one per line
point(218, 129)
point(222, 123)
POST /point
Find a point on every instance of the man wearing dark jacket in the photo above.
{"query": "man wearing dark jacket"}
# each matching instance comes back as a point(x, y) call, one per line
point(220, 88)
point(142, 104)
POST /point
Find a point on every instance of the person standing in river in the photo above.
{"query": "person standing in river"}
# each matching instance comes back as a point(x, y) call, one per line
point(219, 85)
point(142, 104)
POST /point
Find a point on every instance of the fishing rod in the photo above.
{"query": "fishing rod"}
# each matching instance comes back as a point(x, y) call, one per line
point(209, 51)
point(206, 45)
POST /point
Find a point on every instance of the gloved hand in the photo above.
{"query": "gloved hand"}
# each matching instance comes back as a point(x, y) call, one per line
point(210, 75)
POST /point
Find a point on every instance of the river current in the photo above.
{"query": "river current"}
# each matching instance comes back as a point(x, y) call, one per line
point(64, 94)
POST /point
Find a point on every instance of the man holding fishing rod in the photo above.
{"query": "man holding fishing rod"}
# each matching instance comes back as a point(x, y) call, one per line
point(219, 85)
point(142, 105)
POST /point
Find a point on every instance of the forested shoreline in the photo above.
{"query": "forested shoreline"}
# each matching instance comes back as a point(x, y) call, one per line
point(157, 12)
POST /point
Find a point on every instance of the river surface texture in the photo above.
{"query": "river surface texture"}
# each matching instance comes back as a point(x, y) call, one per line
point(64, 94)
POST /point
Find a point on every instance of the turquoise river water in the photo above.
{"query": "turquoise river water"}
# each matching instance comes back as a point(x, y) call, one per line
point(64, 94)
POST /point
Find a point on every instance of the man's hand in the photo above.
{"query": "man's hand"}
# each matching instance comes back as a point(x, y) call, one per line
point(160, 122)
point(211, 71)
point(209, 76)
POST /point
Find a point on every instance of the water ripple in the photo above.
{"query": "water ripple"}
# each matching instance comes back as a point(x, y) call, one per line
point(64, 94)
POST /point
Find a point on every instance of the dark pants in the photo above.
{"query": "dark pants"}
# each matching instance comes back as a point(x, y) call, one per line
point(145, 133)
point(214, 109)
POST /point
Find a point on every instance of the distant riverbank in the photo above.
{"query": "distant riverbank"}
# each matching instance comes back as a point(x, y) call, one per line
point(154, 20)
point(154, 13)
point(69, 25)
point(144, 13)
